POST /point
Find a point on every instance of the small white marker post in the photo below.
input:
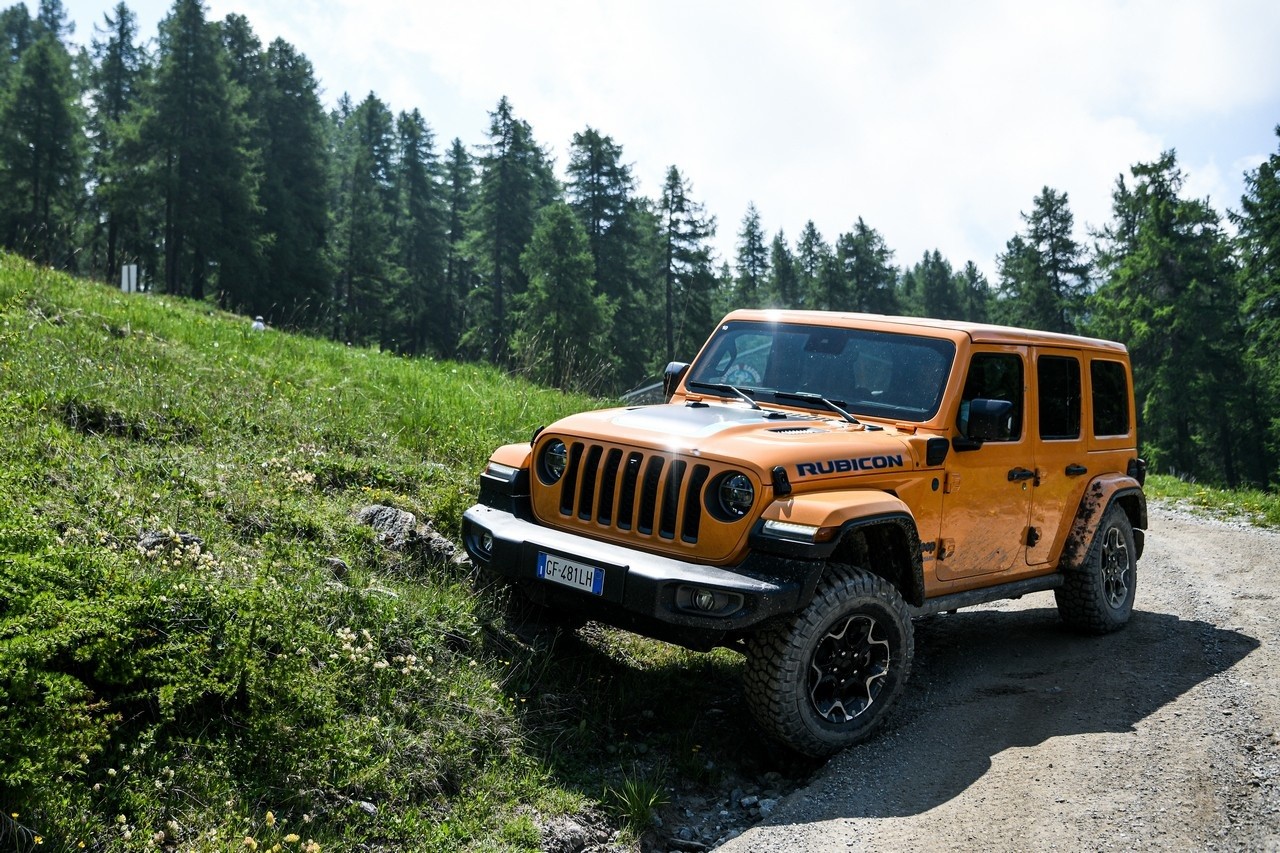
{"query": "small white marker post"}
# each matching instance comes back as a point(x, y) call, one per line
point(129, 278)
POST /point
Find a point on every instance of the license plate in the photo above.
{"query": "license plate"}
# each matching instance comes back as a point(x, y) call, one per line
point(577, 575)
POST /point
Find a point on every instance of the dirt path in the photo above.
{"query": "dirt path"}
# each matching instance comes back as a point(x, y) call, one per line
point(1016, 735)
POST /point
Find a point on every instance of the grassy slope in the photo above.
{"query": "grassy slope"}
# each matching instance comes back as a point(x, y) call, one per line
point(236, 686)
point(1252, 505)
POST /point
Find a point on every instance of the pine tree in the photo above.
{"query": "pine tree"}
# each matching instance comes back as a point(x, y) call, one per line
point(245, 288)
point(17, 33)
point(1044, 277)
point(601, 191)
point(51, 18)
point(117, 208)
point(813, 259)
point(752, 262)
point(1170, 296)
point(368, 278)
point(294, 196)
point(689, 279)
point(431, 310)
point(459, 268)
point(975, 294)
point(563, 333)
point(515, 182)
point(784, 281)
point(1258, 242)
point(203, 166)
point(866, 267)
point(933, 282)
point(40, 154)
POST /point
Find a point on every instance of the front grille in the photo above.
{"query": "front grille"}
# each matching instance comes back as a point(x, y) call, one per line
point(632, 492)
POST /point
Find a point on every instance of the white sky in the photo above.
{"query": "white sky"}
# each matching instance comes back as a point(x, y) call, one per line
point(936, 122)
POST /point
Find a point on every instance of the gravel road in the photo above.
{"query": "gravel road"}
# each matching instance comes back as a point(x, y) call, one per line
point(1016, 735)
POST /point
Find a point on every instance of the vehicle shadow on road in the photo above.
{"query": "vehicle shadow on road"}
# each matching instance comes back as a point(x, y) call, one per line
point(988, 680)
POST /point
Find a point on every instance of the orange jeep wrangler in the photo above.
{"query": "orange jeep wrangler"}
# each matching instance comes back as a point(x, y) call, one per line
point(815, 482)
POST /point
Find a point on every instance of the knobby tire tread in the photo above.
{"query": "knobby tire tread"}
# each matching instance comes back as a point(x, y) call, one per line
point(775, 661)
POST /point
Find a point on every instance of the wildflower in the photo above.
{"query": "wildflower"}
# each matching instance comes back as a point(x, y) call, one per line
point(39, 839)
point(291, 838)
point(270, 819)
point(250, 842)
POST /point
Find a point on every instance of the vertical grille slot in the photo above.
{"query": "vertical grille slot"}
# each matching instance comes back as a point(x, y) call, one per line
point(608, 486)
point(627, 498)
point(693, 503)
point(587, 492)
point(671, 499)
point(649, 494)
point(570, 480)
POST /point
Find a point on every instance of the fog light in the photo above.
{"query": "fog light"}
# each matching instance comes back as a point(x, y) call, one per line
point(704, 599)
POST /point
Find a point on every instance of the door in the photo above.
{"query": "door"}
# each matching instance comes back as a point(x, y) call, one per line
point(987, 492)
point(1061, 450)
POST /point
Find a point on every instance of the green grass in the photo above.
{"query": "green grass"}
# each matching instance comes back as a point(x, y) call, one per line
point(1258, 507)
point(178, 654)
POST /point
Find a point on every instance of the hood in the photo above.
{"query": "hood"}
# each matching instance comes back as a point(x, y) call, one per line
point(807, 444)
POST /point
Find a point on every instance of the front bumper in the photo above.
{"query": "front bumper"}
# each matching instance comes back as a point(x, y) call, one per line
point(646, 593)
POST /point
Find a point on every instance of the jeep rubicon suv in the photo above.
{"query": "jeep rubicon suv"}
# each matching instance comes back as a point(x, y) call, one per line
point(814, 482)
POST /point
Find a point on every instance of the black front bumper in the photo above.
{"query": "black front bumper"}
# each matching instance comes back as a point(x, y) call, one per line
point(645, 593)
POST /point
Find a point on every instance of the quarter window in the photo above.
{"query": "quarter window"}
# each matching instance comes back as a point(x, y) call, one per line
point(1110, 398)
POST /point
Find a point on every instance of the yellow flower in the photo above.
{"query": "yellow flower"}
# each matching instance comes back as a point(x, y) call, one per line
point(291, 838)
point(270, 819)
point(39, 839)
point(250, 843)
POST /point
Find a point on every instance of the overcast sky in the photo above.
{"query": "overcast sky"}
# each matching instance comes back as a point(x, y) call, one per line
point(936, 122)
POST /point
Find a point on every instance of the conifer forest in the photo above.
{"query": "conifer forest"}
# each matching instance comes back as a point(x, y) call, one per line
point(207, 159)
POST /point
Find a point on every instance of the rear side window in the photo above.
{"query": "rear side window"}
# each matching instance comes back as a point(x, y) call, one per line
point(1058, 379)
point(1110, 398)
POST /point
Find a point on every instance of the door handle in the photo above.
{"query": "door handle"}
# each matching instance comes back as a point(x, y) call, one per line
point(1020, 474)
point(1075, 470)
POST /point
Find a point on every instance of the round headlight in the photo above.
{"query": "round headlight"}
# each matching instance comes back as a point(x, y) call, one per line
point(736, 494)
point(555, 456)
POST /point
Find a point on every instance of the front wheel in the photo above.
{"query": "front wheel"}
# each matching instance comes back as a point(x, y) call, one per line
point(1096, 597)
point(828, 678)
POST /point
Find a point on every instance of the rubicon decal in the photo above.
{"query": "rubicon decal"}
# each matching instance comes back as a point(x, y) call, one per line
point(843, 466)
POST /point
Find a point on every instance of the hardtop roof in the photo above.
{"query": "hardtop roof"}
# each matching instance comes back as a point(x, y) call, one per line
point(986, 333)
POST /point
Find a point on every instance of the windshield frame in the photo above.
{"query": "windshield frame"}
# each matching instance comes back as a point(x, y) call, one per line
point(889, 374)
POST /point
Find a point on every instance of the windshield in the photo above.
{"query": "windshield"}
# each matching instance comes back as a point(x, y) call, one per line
point(878, 374)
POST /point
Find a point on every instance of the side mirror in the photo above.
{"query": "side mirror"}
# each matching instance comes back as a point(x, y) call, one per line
point(988, 420)
point(672, 376)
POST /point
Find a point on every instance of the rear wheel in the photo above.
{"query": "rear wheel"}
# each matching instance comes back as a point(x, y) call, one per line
point(828, 678)
point(1096, 597)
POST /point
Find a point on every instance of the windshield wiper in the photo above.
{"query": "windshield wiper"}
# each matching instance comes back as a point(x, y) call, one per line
point(732, 389)
point(816, 398)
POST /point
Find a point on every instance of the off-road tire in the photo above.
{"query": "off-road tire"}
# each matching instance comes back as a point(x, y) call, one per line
point(1097, 595)
point(827, 678)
